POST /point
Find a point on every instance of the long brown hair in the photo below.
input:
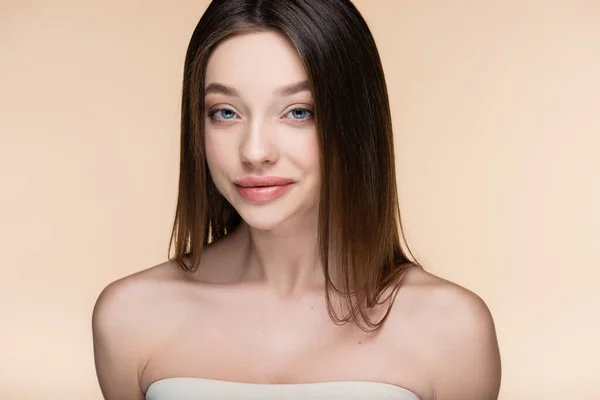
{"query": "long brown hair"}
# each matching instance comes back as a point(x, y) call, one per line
point(359, 218)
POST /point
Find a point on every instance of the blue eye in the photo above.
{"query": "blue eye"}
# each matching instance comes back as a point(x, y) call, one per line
point(226, 114)
point(300, 114)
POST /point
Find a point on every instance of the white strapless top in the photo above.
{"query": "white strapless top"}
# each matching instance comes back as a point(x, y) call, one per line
point(210, 389)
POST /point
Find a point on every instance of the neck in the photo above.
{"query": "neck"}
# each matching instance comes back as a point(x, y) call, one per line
point(285, 259)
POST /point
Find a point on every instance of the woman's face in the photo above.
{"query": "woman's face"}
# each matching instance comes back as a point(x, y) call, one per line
point(261, 139)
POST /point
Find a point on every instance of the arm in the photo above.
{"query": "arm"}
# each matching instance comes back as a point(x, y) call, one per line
point(116, 350)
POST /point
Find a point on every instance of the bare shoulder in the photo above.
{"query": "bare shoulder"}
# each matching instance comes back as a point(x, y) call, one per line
point(126, 325)
point(126, 302)
point(134, 290)
point(440, 301)
point(455, 334)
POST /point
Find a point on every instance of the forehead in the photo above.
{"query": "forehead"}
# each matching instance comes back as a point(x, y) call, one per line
point(258, 59)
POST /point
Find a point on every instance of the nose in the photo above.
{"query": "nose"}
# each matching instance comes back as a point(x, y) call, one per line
point(258, 146)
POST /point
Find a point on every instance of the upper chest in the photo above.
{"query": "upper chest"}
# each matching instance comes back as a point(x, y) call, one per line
point(253, 338)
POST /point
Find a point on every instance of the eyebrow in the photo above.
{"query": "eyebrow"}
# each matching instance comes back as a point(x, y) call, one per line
point(283, 91)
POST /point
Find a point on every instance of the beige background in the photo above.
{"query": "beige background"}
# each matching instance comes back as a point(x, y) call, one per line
point(496, 107)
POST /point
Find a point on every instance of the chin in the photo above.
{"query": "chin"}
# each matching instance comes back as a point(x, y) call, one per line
point(265, 219)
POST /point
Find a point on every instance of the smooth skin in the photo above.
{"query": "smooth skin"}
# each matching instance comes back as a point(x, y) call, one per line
point(255, 310)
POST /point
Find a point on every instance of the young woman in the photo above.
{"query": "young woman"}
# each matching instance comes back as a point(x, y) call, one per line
point(288, 280)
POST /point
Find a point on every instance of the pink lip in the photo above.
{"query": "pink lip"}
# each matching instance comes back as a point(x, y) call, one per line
point(263, 189)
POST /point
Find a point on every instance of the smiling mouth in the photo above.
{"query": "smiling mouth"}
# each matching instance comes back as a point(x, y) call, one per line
point(262, 181)
point(262, 194)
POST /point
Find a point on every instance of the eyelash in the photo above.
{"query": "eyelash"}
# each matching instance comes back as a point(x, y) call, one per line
point(213, 112)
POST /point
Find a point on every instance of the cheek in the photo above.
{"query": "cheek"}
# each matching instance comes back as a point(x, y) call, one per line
point(218, 155)
point(304, 152)
point(219, 161)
